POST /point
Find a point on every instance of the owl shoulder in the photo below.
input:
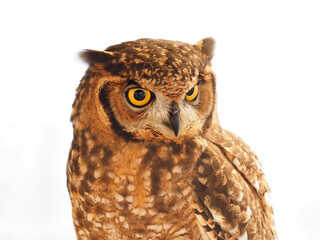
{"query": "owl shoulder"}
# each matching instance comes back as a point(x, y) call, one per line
point(242, 157)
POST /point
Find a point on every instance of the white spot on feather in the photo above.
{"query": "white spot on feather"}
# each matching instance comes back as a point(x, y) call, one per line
point(142, 212)
point(256, 185)
point(249, 212)
point(166, 226)
point(131, 187)
point(181, 231)
point(118, 197)
point(147, 183)
point(244, 236)
point(111, 175)
point(89, 217)
point(152, 212)
point(161, 193)
point(135, 211)
point(96, 173)
point(236, 161)
point(217, 217)
point(202, 180)
point(122, 218)
point(147, 174)
point(131, 178)
point(259, 166)
point(150, 199)
point(200, 169)
point(138, 161)
point(110, 214)
point(234, 230)
point(105, 201)
point(125, 225)
point(97, 224)
point(186, 191)
point(176, 169)
point(201, 220)
point(139, 211)
point(240, 197)
point(156, 227)
point(267, 199)
point(129, 199)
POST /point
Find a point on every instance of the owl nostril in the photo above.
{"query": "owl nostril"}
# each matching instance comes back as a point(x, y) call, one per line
point(174, 108)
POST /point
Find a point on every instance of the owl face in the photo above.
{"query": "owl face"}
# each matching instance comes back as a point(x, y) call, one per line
point(154, 89)
point(148, 113)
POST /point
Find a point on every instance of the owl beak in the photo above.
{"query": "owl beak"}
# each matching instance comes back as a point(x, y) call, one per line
point(175, 118)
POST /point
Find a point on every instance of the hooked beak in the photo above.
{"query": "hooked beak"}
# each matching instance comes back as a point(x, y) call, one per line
point(175, 118)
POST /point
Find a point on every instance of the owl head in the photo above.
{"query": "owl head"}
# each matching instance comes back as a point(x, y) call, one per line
point(147, 90)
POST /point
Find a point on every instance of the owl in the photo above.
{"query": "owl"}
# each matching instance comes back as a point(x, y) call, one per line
point(149, 159)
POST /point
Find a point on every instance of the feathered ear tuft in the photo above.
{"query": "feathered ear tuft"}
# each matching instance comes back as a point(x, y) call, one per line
point(206, 46)
point(93, 56)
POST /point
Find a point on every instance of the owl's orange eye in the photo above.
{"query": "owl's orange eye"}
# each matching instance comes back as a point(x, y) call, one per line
point(192, 94)
point(138, 97)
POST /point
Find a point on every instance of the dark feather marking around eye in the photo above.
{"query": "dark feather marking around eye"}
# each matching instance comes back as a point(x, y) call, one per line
point(208, 121)
point(132, 82)
point(201, 81)
point(115, 125)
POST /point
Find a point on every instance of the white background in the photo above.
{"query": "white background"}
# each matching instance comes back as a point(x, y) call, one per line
point(267, 62)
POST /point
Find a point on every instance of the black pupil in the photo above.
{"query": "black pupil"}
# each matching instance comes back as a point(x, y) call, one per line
point(139, 95)
point(190, 92)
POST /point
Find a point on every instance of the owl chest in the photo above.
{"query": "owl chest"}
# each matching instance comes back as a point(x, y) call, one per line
point(145, 195)
point(137, 192)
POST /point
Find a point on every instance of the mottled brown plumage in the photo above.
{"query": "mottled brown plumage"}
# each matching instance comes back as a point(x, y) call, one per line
point(163, 169)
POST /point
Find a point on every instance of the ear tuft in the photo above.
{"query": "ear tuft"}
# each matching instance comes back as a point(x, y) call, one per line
point(93, 56)
point(206, 46)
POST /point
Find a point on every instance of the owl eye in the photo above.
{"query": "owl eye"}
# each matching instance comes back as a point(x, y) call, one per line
point(138, 97)
point(192, 94)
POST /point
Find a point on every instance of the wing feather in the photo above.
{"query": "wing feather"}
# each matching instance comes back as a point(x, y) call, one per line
point(230, 191)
